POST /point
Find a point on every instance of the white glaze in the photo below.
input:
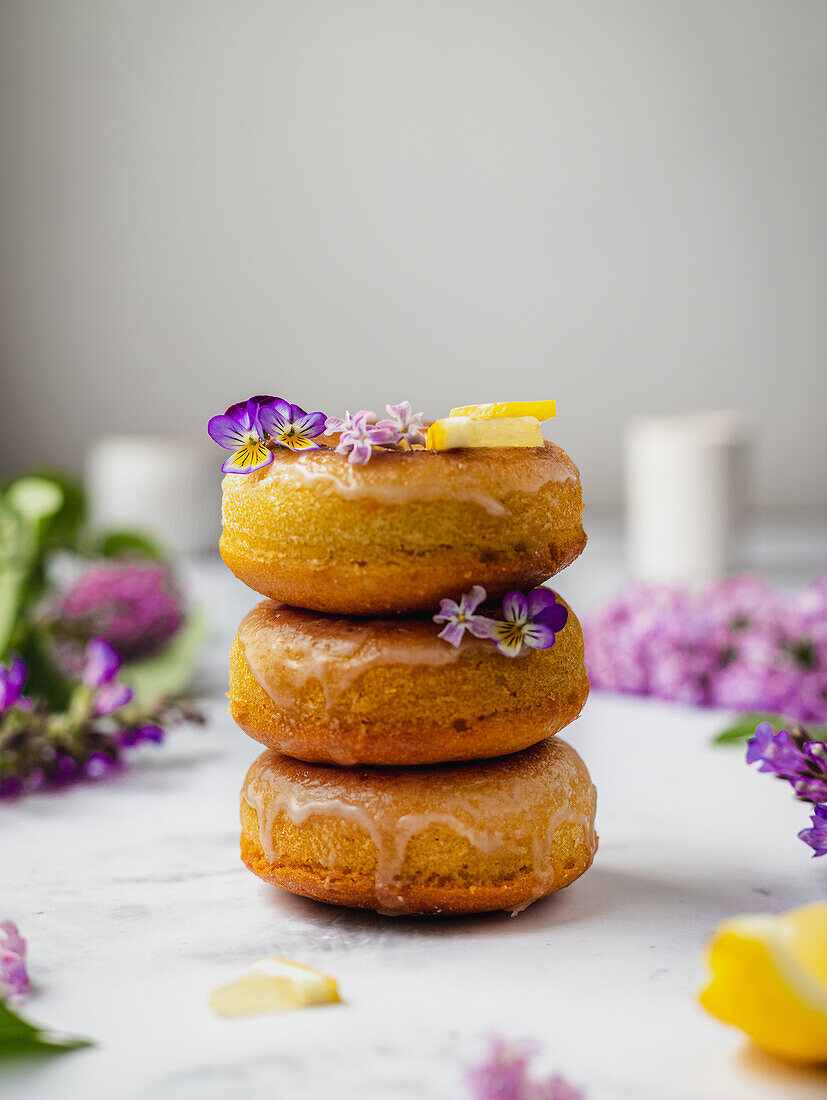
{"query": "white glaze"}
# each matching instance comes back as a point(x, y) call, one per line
point(377, 814)
point(352, 483)
point(334, 652)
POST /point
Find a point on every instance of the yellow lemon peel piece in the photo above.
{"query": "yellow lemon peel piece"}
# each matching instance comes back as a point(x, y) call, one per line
point(274, 985)
point(769, 978)
point(467, 431)
point(542, 410)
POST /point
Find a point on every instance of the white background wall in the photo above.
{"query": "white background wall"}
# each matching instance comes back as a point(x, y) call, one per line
point(617, 204)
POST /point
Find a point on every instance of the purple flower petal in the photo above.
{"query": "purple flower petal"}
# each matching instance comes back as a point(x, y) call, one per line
point(452, 633)
point(14, 978)
point(538, 636)
point(102, 663)
point(252, 456)
point(473, 598)
point(544, 607)
point(112, 697)
point(508, 637)
point(226, 432)
point(11, 683)
point(515, 607)
point(448, 610)
point(816, 836)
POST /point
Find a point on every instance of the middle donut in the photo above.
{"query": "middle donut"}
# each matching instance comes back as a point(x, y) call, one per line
point(326, 689)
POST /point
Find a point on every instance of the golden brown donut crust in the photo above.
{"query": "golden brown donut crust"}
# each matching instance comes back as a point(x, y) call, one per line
point(403, 531)
point(391, 692)
point(451, 839)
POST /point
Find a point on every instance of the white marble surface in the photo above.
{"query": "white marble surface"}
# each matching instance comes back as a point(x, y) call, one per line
point(135, 906)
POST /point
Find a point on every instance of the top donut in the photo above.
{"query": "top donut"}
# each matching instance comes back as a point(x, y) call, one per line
point(373, 518)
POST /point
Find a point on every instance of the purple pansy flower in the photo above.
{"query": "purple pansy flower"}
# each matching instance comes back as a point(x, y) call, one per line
point(816, 835)
point(101, 668)
point(239, 430)
point(460, 617)
point(290, 426)
point(533, 620)
point(11, 685)
point(408, 426)
point(14, 979)
point(357, 437)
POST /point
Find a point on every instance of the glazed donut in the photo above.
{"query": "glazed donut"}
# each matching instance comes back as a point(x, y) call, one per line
point(403, 531)
point(455, 838)
point(379, 691)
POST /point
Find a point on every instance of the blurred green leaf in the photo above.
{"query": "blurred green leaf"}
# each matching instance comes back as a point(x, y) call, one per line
point(169, 672)
point(18, 1036)
point(34, 499)
point(115, 544)
point(744, 727)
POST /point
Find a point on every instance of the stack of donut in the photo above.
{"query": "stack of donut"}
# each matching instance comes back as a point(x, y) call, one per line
point(403, 772)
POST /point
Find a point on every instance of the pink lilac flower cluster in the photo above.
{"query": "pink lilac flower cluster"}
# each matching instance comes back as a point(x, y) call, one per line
point(14, 978)
point(134, 606)
point(534, 620)
point(803, 763)
point(360, 432)
point(505, 1075)
point(739, 644)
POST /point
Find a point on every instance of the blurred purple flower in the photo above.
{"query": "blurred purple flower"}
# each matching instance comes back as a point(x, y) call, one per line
point(99, 671)
point(406, 425)
point(11, 685)
point(533, 620)
point(290, 426)
point(358, 437)
point(816, 835)
point(460, 616)
point(738, 644)
point(14, 978)
point(505, 1075)
point(776, 752)
point(134, 606)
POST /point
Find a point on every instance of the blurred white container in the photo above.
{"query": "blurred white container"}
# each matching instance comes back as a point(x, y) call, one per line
point(685, 494)
point(165, 485)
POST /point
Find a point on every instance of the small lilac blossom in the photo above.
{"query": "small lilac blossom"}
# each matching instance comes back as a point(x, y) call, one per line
point(408, 426)
point(533, 620)
point(101, 668)
point(505, 1075)
point(290, 426)
point(358, 437)
point(239, 430)
point(11, 685)
point(461, 616)
point(816, 835)
point(14, 978)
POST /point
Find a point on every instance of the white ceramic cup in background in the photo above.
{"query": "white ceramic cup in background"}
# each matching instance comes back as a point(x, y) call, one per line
point(165, 485)
point(685, 493)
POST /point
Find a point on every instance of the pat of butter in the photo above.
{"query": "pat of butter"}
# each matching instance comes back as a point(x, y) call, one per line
point(274, 985)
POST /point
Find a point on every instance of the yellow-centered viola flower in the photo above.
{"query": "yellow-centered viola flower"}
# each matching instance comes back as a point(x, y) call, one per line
point(542, 410)
point(769, 978)
point(467, 431)
point(274, 985)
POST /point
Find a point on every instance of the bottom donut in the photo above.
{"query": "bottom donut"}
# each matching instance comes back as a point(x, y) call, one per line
point(444, 839)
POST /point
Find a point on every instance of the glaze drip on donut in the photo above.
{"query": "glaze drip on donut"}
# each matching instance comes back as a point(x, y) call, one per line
point(511, 815)
point(333, 651)
point(311, 471)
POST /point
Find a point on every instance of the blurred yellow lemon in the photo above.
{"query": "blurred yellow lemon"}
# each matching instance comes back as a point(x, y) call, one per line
point(769, 978)
point(542, 410)
point(466, 431)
